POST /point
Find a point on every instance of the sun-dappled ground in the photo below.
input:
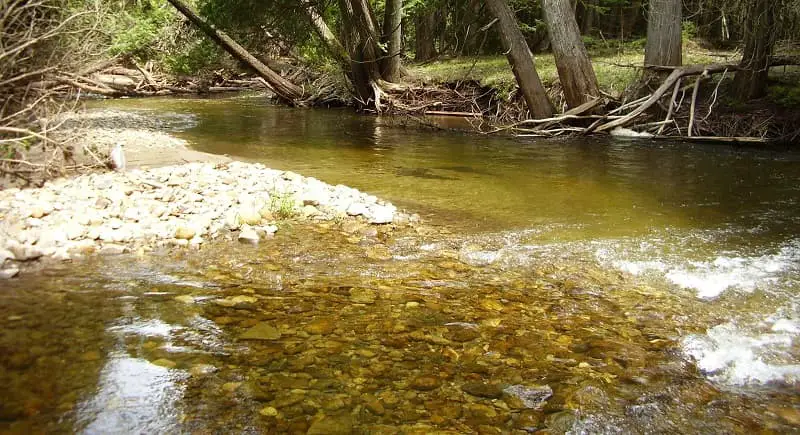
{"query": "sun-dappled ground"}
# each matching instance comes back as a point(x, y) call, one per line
point(615, 69)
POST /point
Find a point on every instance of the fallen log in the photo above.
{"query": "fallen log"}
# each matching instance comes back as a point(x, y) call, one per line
point(721, 139)
point(285, 89)
point(446, 113)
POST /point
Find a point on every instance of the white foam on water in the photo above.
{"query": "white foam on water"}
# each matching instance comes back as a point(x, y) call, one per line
point(734, 355)
point(713, 277)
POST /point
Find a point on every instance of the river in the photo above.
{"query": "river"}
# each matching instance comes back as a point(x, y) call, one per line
point(633, 287)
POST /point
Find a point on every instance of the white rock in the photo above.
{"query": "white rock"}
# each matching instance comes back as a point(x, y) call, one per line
point(9, 273)
point(357, 209)
point(5, 254)
point(382, 214)
point(248, 235)
point(23, 252)
point(112, 249)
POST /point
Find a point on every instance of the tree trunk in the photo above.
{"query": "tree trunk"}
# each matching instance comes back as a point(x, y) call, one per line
point(332, 44)
point(521, 61)
point(588, 16)
point(362, 43)
point(285, 89)
point(574, 68)
point(632, 14)
point(393, 38)
point(759, 39)
point(425, 23)
point(663, 46)
point(471, 25)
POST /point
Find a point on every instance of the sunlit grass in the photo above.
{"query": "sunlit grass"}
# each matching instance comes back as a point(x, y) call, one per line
point(615, 70)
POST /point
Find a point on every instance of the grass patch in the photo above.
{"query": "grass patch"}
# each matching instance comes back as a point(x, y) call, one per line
point(615, 70)
point(282, 205)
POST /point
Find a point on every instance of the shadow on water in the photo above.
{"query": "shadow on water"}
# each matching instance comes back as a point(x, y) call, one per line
point(643, 287)
point(607, 188)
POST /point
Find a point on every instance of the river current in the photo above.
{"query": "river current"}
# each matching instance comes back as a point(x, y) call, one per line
point(652, 287)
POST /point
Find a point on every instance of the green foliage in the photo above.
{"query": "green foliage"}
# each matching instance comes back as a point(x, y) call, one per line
point(283, 205)
point(785, 95)
point(688, 30)
point(138, 28)
point(198, 55)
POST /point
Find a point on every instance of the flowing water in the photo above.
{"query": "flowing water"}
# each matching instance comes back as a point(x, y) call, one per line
point(572, 286)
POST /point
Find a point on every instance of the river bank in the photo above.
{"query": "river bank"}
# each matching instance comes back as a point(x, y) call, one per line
point(171, 196)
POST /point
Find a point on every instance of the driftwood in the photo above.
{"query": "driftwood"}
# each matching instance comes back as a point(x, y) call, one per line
point(638, 114)
point(113, 81)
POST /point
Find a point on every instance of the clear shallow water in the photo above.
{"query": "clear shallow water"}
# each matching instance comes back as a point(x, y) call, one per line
point(647, 259)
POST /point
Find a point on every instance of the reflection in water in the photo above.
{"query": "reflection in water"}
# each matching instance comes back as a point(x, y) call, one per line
point(134, 396)
point(556, 278)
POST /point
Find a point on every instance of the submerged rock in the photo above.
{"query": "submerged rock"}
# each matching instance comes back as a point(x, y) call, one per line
point(425, 383)
point(330, 425)
point(483, 389)
point(268, 411)
point(261, 331)
point(530, 397)
point(363, 295)
point(321, 326)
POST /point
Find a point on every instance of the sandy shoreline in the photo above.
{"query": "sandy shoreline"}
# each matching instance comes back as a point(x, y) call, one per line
point(170, 195)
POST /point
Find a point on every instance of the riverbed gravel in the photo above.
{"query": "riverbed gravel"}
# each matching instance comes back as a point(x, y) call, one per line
point(175, 205)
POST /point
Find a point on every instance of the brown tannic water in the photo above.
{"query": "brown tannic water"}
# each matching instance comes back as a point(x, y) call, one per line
point(577, 286)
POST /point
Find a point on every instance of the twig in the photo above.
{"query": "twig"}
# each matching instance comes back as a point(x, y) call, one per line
point(671, 106)
point(690, 131)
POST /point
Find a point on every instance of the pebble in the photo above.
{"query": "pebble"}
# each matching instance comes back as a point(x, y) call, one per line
point(9, 273)
point(182, 205)
point(425, 383)
point(248, 235)
point(268, 411)
point(184, 233)
point(261, 331)
point(530, 397)
point(166, 363)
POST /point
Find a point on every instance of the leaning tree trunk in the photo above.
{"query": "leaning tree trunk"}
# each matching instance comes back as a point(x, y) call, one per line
point(574, 68)
point(521, 61)
point(285, 89)
point(332, 44)
point(759, 39)
point(363, 44)
point(425, 22)
point(392, 38)
point(663, 47)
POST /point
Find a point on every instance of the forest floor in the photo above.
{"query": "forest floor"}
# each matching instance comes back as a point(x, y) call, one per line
point(485, 85)
point(616, 69)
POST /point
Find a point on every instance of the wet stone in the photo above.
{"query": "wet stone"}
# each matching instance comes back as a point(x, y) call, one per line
point(163, 362)
point(268, 411)
point(483, 389)
point(199, 370)
point(462, 333)
point(530, 397)
point(425, 383)
point(321, 326)
point(363, 295)
point(589, 398)
point(338, 425)
point(373, 404)
point(261, 331)
point(478, 413)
